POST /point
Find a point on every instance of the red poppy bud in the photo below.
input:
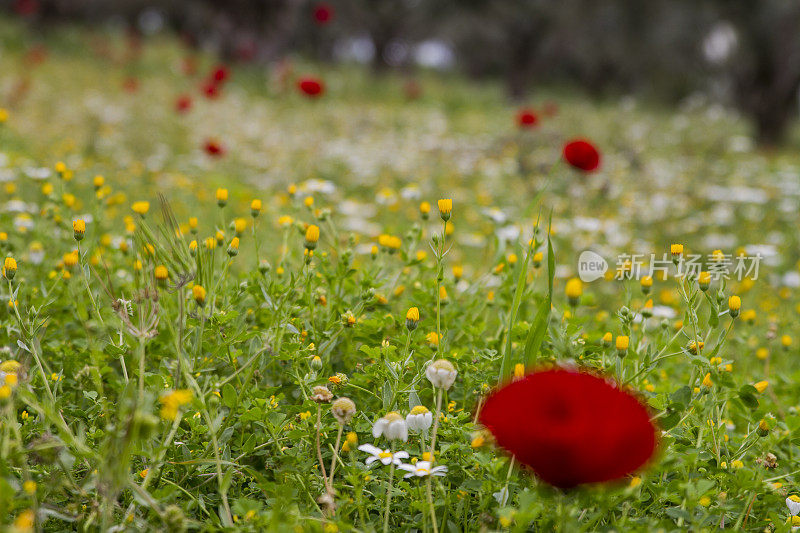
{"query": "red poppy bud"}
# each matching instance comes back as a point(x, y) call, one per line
point(570, 427)
point(214, 148)
point(323, 13)
point(183, 103)
point(26, 8)
point(311, 87)
point(220, 74)
point(582, 154)
point(211, 89)
point(526, 118)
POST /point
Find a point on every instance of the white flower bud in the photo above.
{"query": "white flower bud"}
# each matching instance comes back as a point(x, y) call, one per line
point(441, 374)
point(392, 426)
point(793, 503)
point(343, 409)
point(419, 419)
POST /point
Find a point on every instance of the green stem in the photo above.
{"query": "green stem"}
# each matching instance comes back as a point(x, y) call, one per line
point(389, 495)
point(431, 509)
point(335, 457)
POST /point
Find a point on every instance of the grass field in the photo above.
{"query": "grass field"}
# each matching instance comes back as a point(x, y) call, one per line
point(164, 339)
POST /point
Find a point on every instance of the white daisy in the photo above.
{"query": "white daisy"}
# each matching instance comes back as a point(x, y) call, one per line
point(793, 503)
point(384, 456)
point(422, 469)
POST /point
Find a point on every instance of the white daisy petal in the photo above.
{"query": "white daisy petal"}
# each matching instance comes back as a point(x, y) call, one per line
point(369, 448)
point(378, 427)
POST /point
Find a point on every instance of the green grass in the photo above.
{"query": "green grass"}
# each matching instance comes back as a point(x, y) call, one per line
point(111, 446)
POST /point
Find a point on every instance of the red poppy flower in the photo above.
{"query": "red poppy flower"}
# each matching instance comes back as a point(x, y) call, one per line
point(570, 427)
point(311, 87)
point(323, 13)
point(220, 74)
point(183, 103)
point(214, 148)
point(526, 118)
point(26, 8)
point(211, 89)
point(582, 155)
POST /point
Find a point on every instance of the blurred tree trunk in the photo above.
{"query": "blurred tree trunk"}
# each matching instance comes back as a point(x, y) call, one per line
point(521, 61)
point(766, 70)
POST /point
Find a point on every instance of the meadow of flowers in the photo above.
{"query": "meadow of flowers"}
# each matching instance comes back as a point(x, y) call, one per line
point(309, 299)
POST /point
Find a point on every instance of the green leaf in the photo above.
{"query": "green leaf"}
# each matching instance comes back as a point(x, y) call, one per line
point(670, 420)
point(505, 363)
point(538, 330)
point(748, 395)
point(682, 396)
point(387, 395)
point(229, 396)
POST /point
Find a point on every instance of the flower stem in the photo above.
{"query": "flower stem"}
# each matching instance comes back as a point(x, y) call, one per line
point(436, 422)
point(141, 351)
point(319, 451)
point(430, 505)
point(432, 451)
point(88, 288)
point(333, 460)
point(439, 261)
point(389, 496)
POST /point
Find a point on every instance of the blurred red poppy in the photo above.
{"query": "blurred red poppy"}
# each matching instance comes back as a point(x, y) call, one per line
point(220, 74)
point(211, 89)
point(323, 13)
point(311, 87)
point(214, 148)
point(570, 427)
point(26, 8)
point(526, 118)
point(582, 155)
point(183, 103)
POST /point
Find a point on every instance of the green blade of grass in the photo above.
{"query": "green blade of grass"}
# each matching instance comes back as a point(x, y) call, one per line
point(505, 363)
point(539, 327)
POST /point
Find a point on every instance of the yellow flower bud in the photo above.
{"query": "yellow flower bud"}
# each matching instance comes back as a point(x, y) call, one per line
point(445, 208)
point(141, 208)
point(199, 294)
point(312, 236)
point(222, 197)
